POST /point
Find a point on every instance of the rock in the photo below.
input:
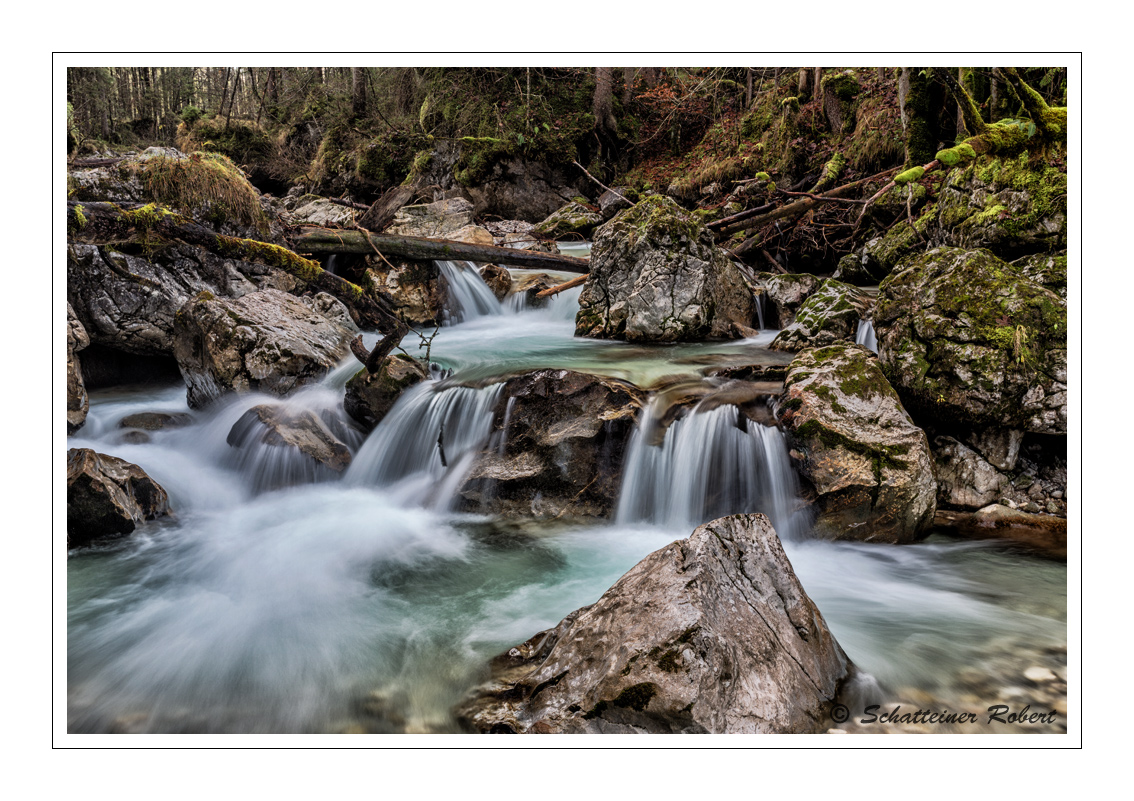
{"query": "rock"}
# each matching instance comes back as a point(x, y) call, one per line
point(829, 315)
point(787, 293)
point(870, 465)
point(528, 241)
point(266, 341)
point(107, 496)
point(498, 279)
point(574, 218)
point(878, 257)
point(77, 401)
point(370, 396)
point(417, 289)
point(1009, 206)
point(1046, 270)
point(325, 214)
point(128, 303)
point(657, 276)
point(1000, 446)
point(615, 200)
point(564, 436)
point(964, 479)
point(434, 220)
point(709, 634)
point(301, 430)
point(473, 235)
point(155, 421)
point(516, 188)
point(1045, 534)
point(968, 341)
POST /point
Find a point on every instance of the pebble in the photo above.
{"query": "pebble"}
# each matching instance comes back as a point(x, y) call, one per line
point(1038, 674)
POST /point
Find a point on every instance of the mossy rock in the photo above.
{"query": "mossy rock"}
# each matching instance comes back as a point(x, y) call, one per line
point(370, 396)
point(574, 218)
point(830, 314)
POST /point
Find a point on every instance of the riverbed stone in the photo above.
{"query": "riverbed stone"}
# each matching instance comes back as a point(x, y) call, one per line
point(573, 218)
point(713, 633)
point(967, 340)
point(266, 341)
point(657, 275)
point(78, 403)
point(870, 465)
point(964, 479)
point(829, 314)
point(785, 294)
point(564, 437)
point(497, 278)
point(370, 396)
point(108, 497)
point(301, 430)
point(156, 421)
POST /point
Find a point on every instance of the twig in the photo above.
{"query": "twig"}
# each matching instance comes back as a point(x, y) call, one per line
point(555, 290)
point(824, 199)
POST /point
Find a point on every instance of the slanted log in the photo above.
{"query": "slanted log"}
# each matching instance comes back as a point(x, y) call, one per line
point(555, 290)
point(379, 215)
point(323, 242)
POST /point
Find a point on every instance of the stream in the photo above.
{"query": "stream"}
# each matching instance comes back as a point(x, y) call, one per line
point(280, 599)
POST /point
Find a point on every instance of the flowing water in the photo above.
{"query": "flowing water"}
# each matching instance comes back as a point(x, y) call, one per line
point(279, 598)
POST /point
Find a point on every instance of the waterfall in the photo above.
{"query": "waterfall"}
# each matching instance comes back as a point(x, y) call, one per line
point(469, 296)
point(865, 336)
point(710, 464)
point(404, 448)
point(761, 298)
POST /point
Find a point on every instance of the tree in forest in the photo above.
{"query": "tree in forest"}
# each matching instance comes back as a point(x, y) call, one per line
point(358, 92)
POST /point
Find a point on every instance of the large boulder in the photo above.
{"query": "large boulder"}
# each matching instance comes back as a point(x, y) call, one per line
point(325, 214)
point(657, 275)
point(128, 302)
point(515, 188)
point(77, 401)
point(416, 288)
point(967, 340)
point(563, 435)
point(266, 341)
point(829, 315)
point(709, 634)
point(965, 479)
point(871, 467)
point(108, 497)
point(370, 396)
point(436, 220)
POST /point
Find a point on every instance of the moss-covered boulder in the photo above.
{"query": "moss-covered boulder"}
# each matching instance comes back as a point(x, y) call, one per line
point(1012, 206)
point(710, 634)
point(829, 315)
point(1047, 270)
point(108, 497)
point(563, 437)
point(657, 275)
point(574, 218)
point(967, 340)
point(870, 465)
point(785, 294)
point(877, 258)
point(370, 396)
point(77, 400)
point(266, 341)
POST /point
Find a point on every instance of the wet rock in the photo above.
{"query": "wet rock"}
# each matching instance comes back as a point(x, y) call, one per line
point(301, 430)
point(785, 294)
point(967, 340)
point(574, 218)
point(78, 402)
point(128, 303)
point(1045, 535)
point(829, 315)
point(266, 341)
point(709, 634)
point(656, 275)
point(870, 465)
point(370, 396)
point(417, 289)
point(108, 497)
point(155, 421)
point(498, 279)
point(563, 438)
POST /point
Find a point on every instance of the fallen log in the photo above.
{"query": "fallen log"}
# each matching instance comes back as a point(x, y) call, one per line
point(151, 226)
point(323, 242)
point(379, 215)
point(555, 290)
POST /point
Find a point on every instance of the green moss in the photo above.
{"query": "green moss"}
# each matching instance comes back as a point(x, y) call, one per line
point(952, 156)
point(207, 183)
point(909, 176)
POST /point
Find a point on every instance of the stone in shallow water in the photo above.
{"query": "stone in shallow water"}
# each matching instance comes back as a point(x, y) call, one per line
point(108, 496)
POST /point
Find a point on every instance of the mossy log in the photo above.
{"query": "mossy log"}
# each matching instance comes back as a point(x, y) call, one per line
point(151, 226)
point(322, 241)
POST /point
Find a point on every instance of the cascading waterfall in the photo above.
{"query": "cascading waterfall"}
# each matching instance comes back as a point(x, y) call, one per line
point(711, 463)
point(406, 447)
point(865, 336)
point(469, 296)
